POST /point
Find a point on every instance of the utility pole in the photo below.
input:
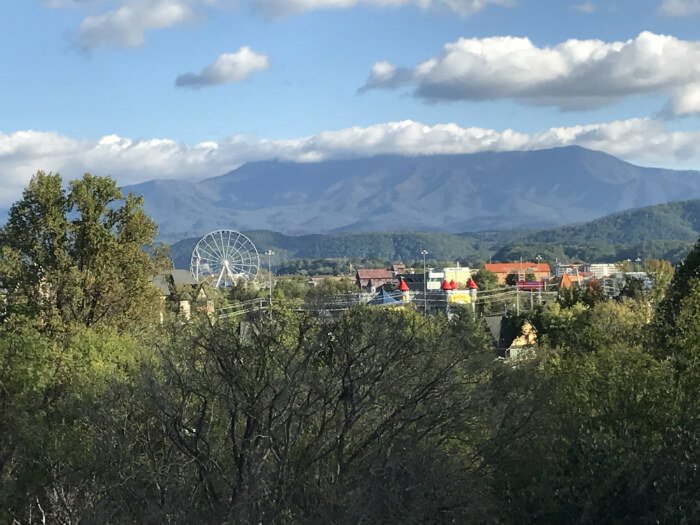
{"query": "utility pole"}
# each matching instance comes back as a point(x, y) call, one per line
point(425, 283)
point(269, 254)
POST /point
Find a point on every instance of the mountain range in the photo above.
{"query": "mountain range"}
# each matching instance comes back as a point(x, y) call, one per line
point(435, 193)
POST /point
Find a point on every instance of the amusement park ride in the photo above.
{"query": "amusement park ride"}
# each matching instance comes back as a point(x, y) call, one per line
point(224, 257)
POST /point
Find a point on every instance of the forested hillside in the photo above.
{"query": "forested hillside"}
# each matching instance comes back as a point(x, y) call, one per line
point(665, 231)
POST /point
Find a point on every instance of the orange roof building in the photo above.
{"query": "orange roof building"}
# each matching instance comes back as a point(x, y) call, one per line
point(502, 270)
point(568, 280)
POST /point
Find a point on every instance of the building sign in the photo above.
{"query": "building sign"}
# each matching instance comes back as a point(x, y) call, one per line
point(459, 297)
point(530, 286)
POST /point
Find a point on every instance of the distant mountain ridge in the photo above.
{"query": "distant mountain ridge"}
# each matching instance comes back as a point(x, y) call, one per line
point(665, 231)
point(441, 193)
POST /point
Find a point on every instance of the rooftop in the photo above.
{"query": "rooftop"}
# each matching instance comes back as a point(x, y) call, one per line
point(517, 266)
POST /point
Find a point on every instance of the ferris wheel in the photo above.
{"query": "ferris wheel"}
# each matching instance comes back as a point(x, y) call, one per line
point(224, 257)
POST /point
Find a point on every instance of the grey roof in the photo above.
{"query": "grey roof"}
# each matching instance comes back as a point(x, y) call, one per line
point(161, 282)
point(384, 297)
point(179, 277)
point(494, 324)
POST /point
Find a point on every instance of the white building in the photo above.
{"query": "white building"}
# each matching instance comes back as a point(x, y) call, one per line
point(600, 270)
point(435, 279)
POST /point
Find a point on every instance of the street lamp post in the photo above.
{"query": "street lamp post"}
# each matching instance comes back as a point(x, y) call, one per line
point(425, 283)
point(269, 254)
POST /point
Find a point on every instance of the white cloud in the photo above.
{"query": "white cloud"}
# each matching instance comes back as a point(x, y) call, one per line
point(277, 8)
point(576, 74)
point(680, 7)
point(126, 26)
point(130, 161)
point(227, 68)
point(585, 7)
point(684, 101)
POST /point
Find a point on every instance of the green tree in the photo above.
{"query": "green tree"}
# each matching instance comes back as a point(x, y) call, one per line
point(661, 272)
point(589, 294)
point(580, 436)
point(50, 388)
point(290, 289)
point(633, 288)
point(370, 416)
point(485, 280)
point(329, 290)
point(78, 255)
point(674, 335)
point(512, 279)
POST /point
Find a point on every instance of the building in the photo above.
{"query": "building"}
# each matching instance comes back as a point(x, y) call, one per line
point(569, 280)
point(178, 291)
point(541, 271)
point(373, 278)
point(601, 270)
point(398, 268)
point(435, 278)
point(458, 274)
point(571, 269)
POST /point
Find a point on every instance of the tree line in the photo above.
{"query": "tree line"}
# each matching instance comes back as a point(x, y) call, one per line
point(665, 231)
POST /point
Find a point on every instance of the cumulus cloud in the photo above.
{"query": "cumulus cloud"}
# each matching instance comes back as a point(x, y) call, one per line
point(130, 161)
point(227, 68)
point(127, 25)
point(573, 75)
point(680, 7)
point(585, 7)
point(277, 8)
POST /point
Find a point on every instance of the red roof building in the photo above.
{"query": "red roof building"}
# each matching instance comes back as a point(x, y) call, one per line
point(502, 270)
point(374, 277)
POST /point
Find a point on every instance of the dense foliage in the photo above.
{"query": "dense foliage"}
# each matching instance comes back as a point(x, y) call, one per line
point(368, 415)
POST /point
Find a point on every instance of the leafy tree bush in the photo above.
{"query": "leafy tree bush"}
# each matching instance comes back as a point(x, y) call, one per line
point(511, 279)
point(485, 279)
point(368, 416)
point(77, 256)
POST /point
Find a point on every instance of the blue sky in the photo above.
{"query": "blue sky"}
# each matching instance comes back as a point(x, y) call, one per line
point(189, 88)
